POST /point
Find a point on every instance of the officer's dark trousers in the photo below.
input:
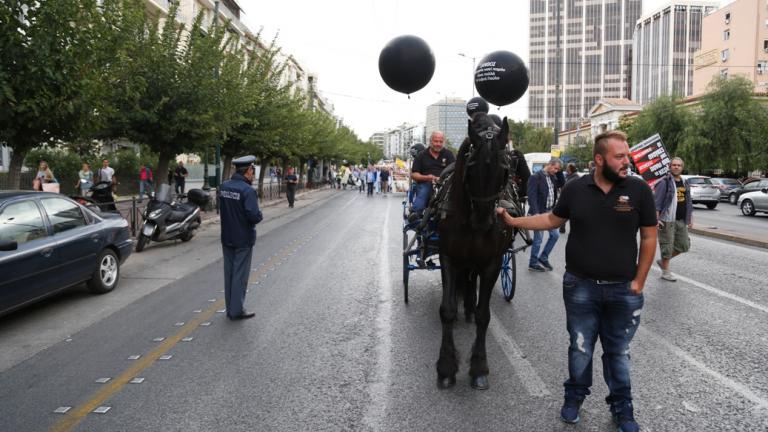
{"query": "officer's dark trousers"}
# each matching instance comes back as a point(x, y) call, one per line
point(237, 268)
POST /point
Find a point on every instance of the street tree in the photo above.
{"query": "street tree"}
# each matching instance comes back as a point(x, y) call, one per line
point(730, 131)
point(664, 116)
point(49, 74)
point(528, 138)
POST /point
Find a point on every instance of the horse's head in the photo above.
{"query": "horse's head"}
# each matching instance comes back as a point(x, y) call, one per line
point(486, 169)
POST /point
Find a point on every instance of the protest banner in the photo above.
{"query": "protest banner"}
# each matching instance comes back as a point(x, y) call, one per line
point(651, 159)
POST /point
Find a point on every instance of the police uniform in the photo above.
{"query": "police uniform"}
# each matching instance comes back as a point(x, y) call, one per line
point(239, 205)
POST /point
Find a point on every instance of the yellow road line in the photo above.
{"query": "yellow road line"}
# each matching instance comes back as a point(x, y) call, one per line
point(74, 417)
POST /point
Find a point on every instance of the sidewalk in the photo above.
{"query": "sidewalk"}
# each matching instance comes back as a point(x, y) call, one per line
point(125, 204)
point(760, 241)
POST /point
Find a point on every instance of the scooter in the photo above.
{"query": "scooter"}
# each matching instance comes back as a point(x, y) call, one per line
point(165, 219)
point(101, 194)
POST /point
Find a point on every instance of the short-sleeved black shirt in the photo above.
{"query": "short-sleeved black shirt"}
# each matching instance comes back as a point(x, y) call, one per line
point(603, 240)
point(425, 164)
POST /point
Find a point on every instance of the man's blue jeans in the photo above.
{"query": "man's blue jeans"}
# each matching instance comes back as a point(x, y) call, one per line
point(144, 186)
point(421, 195)
point(538, 236)
point(610, 311)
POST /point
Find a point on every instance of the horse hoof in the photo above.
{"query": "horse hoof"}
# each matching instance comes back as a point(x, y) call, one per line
point(480, 382)
point(446, 382)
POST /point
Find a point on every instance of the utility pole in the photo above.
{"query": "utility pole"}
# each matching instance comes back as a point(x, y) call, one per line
point(558, 101)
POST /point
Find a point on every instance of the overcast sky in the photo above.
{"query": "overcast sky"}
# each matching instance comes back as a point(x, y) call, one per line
point(340, 41)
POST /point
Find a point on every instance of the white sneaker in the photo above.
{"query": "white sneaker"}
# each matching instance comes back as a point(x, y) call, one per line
point(668, 276)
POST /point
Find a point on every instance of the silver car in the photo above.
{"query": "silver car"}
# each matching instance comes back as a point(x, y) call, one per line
point(753, 202)
point(703, 191)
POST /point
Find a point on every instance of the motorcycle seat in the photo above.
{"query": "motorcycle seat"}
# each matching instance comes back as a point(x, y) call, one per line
point(181, 212)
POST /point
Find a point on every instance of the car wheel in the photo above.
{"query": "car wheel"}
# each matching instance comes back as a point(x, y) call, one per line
point(107, 273)
point(732, 198)
point(747, 208)
point(711, 206)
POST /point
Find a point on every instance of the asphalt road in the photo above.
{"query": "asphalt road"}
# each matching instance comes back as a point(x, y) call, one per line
point(333, 346)
point(728, 217)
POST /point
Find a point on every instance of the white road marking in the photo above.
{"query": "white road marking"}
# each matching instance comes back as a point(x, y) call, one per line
point(533, 384)
point(376, 411)
point(718, 292)
point(737, 387)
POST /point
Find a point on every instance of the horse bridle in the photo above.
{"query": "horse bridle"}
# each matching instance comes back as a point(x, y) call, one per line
point(490, 134)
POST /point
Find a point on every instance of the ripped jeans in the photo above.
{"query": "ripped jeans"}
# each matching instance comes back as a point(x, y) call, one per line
point(610, 311)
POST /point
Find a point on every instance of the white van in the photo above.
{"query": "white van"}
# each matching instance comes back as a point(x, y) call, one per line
point(537, 161)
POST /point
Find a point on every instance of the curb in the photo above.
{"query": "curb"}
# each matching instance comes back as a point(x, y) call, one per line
point(730, 236)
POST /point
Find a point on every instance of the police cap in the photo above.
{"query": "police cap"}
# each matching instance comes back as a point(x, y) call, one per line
point(244, 161)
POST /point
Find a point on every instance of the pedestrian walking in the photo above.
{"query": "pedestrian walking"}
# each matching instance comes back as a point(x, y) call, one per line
point(370, 179)
point(377, 184)
point(426, 169)
point(85, 179)
point(675, 212)
point(543, 190)
point(180, 175)
point(145, 181)
point(384, 180)
point(291, 182)
point(239, 215)
point(44, 180)
point(604, 278)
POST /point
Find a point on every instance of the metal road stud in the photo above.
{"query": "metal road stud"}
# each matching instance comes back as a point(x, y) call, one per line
point(62, 410)
point(158, 339)
point(103, 380)
point(179, 324)
point(205, 324)
point(137, 381)
point(165, 357)
point(187, 339)
point(134, 357)
point(102, 409)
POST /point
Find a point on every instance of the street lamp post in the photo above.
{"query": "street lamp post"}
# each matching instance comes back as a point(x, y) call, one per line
point(473, 71)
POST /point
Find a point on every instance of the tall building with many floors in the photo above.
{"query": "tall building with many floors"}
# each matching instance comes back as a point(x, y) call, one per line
point(665, 41)
point(593, 61)
point(448, 115)
point(734, 42)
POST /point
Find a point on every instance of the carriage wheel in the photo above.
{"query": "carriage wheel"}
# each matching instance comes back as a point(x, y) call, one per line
point(508, 275)
point(406, 268)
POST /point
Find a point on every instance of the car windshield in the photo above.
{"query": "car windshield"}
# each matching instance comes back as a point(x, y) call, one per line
point(729, 182)
point(699, 181)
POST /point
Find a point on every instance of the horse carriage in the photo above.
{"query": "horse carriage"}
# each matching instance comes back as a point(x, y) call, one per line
point(461, 235)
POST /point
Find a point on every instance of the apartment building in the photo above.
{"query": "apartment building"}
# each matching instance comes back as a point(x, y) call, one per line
point(734, 42)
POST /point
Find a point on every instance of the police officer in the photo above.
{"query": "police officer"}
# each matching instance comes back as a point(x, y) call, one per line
point(239, 215)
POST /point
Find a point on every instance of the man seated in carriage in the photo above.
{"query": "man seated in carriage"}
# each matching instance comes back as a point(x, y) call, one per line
point(426, 170)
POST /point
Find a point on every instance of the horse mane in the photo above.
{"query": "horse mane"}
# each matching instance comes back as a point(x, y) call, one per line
point(458, 203)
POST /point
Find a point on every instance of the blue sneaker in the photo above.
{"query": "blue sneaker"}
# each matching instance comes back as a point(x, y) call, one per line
point(569, 413)
point(546, 264)
point(624, 417)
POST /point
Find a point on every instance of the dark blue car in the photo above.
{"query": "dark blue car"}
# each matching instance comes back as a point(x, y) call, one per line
point(49, 242)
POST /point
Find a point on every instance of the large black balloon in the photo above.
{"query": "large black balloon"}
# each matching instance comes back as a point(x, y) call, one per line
point(501, 78)
point(406, 64)
point(475, 105)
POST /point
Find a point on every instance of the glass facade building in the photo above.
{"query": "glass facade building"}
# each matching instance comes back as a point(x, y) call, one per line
point(593, 61)
point(449, 116)
point(665, 41)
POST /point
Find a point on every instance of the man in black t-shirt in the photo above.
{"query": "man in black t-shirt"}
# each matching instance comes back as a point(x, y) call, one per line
point(604, 278)
point(180, 175)
point(426, 169)
point(675, 212)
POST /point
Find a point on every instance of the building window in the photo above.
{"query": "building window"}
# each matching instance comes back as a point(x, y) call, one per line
point(762, 67)
point(727, 17)
point(724, 55)
point(726, 34)
point(723, 73)
point(765, 45)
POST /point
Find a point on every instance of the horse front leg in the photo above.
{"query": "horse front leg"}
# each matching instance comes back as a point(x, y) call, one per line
point(478, 368)
point(470, 296)
point(448, 362)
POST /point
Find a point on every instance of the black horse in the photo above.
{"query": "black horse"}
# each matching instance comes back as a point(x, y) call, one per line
point(472, 241)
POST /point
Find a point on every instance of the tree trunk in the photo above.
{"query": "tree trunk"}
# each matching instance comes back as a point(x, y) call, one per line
point(14, 170)
point(264, 168)
point(226, 171)
point(162, 168)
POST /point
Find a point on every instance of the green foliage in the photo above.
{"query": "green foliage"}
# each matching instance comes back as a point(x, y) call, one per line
point(528, 138)
point(48, 73)
point(579, 151)
point(730, 130)
point(664, 116)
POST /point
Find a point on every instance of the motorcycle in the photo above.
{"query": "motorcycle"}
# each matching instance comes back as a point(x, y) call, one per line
point(101, 194)
point(165, 219)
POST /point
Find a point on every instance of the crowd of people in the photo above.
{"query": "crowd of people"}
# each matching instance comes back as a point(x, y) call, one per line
point(373, 179)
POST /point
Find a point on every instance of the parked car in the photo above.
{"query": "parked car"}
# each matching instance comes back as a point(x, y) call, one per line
point(703, 191)
point(726, 185)
point(49, 242)
point(748, 186)
point(753, 202)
